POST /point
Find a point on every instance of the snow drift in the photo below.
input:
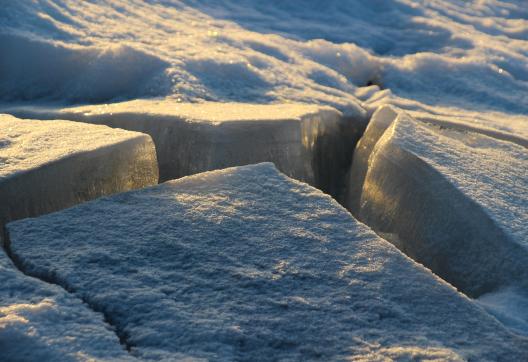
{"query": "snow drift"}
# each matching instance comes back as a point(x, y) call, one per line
point(244, 263)
point(450, 56)
point(33, 69)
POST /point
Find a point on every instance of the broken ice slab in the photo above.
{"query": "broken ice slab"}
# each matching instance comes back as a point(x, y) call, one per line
point(310, 143)
point(49, 165)
point(453, 200)
point(42, 322)
point(245, 262)
point(380, 121)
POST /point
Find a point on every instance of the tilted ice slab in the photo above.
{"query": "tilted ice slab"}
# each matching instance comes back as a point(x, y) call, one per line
point(247, 264)
point(455, 201)
point(310, 143)
point(49, 165)
point(42, 322)
point(380, 121)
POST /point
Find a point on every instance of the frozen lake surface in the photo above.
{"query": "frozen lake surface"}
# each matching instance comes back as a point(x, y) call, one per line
point(245, 262)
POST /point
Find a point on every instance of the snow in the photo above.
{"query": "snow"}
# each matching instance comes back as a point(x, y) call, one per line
point(509, 305)
point(458, 67)
point(307, 142)
point(460, 212)
point(49, 165)
point(245, 263)
point(42, 322)
point(72, 73)
point(464, 60)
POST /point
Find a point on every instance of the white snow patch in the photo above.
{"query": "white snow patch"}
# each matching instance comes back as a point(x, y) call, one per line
point(452, 57)
point(510, 306)
point(33, 69)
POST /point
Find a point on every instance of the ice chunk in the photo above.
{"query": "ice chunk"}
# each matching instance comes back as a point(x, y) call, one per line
point(307, 142)
point(243, 263)
point(42, 322)
point(454, 201)
point(49, 165)
point(380, 121)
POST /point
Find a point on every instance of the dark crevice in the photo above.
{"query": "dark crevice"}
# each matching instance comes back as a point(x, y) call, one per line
point(375, 82)
point(124, 338)
point(332, 156)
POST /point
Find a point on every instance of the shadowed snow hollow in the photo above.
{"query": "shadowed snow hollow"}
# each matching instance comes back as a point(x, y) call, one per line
point(32, 69)
point(49, 165)
point(247, 264)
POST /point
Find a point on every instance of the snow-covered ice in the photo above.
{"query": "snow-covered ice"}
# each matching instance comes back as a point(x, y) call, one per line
point(453, 64)
point(49, 165)
point(42, 322)
point(454, 200)
point(307, 142)
point(247, 264)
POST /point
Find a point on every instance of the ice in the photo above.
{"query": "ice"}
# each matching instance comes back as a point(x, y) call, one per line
point(247, 264)
point(453, 200)
point(307, 142)
point(49, 165)
point(42, 322)
point(380, 121)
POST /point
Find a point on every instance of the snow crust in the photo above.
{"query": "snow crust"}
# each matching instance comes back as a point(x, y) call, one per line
point(307, 142)
point(49, 165)
point(35, 69)
point(464, 61)
point(245, 263)
point(210, 112)
point(509, 305)
point(453, 200)
point(42, 322)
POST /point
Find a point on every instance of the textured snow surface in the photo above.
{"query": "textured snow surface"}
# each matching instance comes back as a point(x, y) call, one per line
point(463, 61)
point(27, 144)
point(509, 305)
point(307, 142)
point(247, 264)
point(210, 112)
point(42, 322)
point(49, 165)
point(454, 200)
